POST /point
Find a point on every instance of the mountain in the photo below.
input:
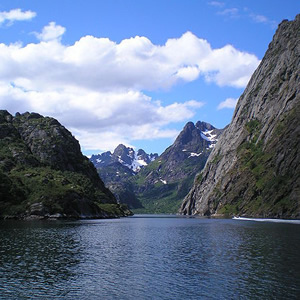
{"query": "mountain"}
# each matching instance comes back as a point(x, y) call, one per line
point(117, 168)
point(126, 156)
point(164, 182)
point(44, 174)
point(254, 169)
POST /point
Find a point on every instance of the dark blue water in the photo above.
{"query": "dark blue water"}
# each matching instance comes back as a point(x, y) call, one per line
point(149, 258)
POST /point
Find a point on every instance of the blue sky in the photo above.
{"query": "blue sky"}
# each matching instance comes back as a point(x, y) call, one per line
point(131, 71)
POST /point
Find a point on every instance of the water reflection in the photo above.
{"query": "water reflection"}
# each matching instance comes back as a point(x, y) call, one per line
point(37, 257)
point(149, 258)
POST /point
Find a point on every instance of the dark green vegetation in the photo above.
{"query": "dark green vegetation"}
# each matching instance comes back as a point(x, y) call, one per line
point(254, 170)
point(44, 174)
point(161, 187)
point(162, 196)
point(118, 179)
point(163, 184)
point(271, 190)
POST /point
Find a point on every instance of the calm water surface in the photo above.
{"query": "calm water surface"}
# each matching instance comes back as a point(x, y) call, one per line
point(149, 258)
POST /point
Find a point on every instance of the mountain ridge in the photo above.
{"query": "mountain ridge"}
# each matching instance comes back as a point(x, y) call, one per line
point(127, 156)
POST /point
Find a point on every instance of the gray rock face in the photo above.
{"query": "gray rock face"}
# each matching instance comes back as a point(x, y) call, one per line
point(254, 168)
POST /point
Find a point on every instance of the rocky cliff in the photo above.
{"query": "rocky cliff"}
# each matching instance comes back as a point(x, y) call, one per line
point(163, 183)
point(44, 174)
point(254, 169)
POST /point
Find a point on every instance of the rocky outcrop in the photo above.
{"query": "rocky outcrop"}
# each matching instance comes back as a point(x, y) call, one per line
point(163, 183)
point(254, 168)
point(43, 172)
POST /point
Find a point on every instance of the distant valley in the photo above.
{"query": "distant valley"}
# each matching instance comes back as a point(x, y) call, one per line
point(157, 184)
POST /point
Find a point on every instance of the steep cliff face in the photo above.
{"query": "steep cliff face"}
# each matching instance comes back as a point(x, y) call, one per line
point(43, 172)
point(255, 167)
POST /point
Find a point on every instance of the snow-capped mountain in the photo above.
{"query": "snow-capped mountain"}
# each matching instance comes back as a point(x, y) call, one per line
point(118, 168)
point(126, 156)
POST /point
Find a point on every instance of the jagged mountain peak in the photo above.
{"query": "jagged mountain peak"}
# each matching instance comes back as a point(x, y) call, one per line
point(126, 156)
point(200, 134)
point(121, 149)
point(204, 126)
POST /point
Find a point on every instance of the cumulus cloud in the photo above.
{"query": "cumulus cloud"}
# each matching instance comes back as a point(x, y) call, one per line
point(51, 32)
point(97, 87)
point(228, 103)
point(16, 15)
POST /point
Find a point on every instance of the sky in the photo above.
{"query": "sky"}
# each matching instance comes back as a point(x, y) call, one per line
point(132, 71)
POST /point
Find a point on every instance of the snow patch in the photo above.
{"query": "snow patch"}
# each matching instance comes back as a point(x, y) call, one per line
point(121, 161)
point(207, 135)
point(136, 164)
point(195, 154)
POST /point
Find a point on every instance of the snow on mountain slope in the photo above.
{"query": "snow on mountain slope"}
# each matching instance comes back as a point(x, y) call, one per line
point(128, 157)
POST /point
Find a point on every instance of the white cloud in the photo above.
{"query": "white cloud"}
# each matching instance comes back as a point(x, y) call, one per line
point(97, 87)
point(51, 32)
point(216, 3)
point(232, 12)
point(229, 66)
point(228, 103)
point(188, 73)
point(136, 63)
point(245, 12)
point(16, 15)
point(262, 19)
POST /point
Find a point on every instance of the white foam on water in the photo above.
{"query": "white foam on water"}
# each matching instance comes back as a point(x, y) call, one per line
point(267, 220)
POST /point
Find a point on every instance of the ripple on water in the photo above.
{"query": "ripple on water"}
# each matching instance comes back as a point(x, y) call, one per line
point(149, 258)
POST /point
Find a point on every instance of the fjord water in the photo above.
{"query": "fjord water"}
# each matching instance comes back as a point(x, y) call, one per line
point(146, 257)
